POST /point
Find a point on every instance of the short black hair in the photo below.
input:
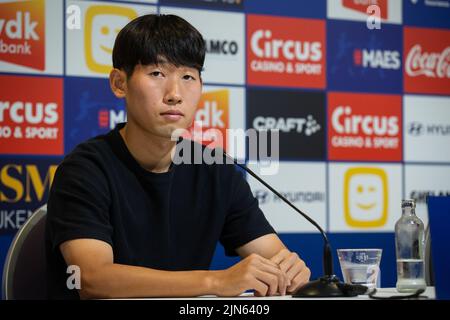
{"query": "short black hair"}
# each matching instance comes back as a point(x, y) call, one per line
point(157, 38)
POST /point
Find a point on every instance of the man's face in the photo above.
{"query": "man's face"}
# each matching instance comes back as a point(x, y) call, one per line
point(162, 98)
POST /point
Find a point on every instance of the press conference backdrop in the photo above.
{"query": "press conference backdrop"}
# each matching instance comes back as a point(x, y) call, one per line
point(363, 112)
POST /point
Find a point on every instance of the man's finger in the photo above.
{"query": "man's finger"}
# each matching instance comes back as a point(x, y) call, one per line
point(269, 279)
point(299, 280)
point(280, 256)
point(289, 262)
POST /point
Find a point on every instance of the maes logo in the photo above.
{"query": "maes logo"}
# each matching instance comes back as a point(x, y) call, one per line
point(22, 33)
point(365, 197)
point(103, 23)
point(382, 59)
point(23, 186)
point(110, 118)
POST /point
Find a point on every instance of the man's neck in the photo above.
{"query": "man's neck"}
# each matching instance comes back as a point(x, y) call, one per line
point(151, 152)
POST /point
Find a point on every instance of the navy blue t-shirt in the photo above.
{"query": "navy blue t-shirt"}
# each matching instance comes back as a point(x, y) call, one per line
point(167, 221)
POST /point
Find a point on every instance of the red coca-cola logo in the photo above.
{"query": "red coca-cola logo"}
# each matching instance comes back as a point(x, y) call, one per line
point(429, 64)
point(426, 60)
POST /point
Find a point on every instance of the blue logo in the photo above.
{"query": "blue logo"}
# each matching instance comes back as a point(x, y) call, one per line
point(297, 8)
point(427, 13)
point(364, 60)
point(91, 109)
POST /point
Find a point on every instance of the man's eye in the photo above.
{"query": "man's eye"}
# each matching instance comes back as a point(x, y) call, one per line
point(188, 77)
point(156, 73)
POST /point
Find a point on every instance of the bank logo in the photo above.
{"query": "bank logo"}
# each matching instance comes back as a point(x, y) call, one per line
point(365, 197)
point(213, 117)
point(103, 23)
point(427, 60)
point(286, 52)
point(31, 121)
point(22, 33)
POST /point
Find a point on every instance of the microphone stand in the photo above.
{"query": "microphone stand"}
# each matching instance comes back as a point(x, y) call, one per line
point(328, 285)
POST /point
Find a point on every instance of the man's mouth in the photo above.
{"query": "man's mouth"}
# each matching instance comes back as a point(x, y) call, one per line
point(172, 115)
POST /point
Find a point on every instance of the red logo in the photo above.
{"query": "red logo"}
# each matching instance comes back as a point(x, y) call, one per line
point(364, 127)
point(31, 120)
point(427, 60)
point(361, 6)
point(22, 33)
point(286, 51)
point(103, 118)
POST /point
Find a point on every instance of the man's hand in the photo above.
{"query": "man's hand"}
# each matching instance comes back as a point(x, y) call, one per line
point(253, 272)
point(294, 268)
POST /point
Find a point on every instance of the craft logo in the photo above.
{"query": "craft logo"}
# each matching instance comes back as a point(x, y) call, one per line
point(102, 25)
point(23, 188)
point(361, 6)
point(212, 119)
point(299, 117)
point(377, 59)
point(366, 197)
point(31, 121)
point(427, 60)
point(22, 33)
point(364, 127)
point(286, 51)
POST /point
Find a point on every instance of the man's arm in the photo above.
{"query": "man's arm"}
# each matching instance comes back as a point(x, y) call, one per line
point(271, 247)
point(102, 278)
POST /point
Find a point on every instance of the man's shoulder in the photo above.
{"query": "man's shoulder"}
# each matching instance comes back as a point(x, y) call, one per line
point(92, 151)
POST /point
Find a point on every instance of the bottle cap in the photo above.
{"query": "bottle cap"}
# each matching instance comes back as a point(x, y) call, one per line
point(408, 203)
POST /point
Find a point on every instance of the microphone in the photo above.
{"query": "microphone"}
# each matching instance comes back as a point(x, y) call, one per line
point(328, 285)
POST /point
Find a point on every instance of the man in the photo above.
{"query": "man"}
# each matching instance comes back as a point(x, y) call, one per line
point(135, 223)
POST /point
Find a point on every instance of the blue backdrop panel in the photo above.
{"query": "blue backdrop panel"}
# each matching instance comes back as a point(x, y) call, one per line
point(364, 60)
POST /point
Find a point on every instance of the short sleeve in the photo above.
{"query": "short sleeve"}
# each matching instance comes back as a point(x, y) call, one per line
point(244, 220)
point(78, 205)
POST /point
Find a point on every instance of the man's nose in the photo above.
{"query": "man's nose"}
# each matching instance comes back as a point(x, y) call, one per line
point(172, 95)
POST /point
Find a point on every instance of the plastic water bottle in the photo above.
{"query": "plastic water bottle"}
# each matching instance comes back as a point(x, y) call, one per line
point(409, 246)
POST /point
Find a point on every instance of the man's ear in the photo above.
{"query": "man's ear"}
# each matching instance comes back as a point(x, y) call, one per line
point(118, 82)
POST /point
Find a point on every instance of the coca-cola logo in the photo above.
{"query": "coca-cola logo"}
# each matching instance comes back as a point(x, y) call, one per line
point(432, 65)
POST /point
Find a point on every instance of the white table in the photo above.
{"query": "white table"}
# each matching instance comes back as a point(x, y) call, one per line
point(382, 292)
